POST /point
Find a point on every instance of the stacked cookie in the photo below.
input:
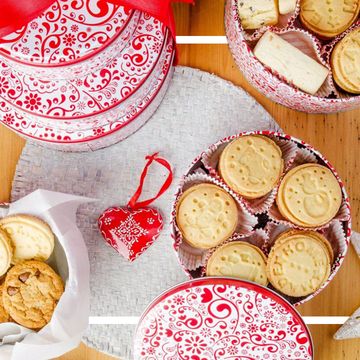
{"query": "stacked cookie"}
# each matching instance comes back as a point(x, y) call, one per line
point(30, 289)
point(345, 62)
point(253, 173)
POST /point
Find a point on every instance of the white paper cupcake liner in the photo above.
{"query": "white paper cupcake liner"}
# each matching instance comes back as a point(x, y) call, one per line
point(192, 257)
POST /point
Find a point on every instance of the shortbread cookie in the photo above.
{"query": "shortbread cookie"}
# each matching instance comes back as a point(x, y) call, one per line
point(299, 264)
point(287, 6)
point(251, 165)
point(238, 259)
point(309, 195)
point(4, 315)
point(328, 18)
point(206, 215)
point(290, 63)
point(31, 292)
point(345, 62)
point(6, 252)
point(31, 237)
point(257, 13)
point(286, 234)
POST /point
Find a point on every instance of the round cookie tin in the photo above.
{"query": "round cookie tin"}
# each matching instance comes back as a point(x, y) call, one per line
point(70, 39)
point(98, 94)
point(261, 222)
point(271, 85)
point(221, 318)
point(93, 137)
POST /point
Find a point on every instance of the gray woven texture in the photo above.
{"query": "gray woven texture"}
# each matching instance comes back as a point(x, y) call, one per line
point(198, 110)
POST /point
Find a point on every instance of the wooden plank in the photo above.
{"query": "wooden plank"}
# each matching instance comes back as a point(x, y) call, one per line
point(336, 136)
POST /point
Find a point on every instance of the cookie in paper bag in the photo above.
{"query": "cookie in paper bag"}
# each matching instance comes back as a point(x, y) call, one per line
point(4, 315)
point(31, 237)
point(6, 252)
point(31, 292)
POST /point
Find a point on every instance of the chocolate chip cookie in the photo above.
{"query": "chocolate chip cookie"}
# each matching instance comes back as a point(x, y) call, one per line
point(31, 292)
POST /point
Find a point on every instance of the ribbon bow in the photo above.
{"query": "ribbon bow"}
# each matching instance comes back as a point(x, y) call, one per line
point(16, 13)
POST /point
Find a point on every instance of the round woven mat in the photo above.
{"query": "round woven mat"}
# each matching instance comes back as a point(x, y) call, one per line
point(198, 110)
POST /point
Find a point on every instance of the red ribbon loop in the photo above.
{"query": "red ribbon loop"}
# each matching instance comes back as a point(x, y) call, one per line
point(133, 204)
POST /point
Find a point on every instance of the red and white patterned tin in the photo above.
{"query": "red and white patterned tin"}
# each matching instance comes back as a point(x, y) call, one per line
point(112, 130)
point(101, 94)
point(70, 39)
point(268, 83)
point(221, 318)
point(268, 222)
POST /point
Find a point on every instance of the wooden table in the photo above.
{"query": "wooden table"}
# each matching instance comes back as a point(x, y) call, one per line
point(337, 136)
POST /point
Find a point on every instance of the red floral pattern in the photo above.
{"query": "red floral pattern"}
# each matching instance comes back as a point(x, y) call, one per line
point(208, 324)
point(67, 33)
point(95, 93)
point(66, 136)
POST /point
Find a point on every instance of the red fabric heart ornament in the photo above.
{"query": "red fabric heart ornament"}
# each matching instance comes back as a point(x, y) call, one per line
point(133, 229)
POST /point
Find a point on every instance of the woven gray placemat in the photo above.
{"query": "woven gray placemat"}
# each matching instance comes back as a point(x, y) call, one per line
point(198, 110)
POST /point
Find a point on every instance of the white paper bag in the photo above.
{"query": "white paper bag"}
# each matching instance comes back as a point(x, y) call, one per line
point(70, 260)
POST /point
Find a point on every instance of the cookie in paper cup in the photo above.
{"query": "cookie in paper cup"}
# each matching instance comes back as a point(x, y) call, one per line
point(278, 88)
point(238, 259)
point(344, 59)
point(266, 229)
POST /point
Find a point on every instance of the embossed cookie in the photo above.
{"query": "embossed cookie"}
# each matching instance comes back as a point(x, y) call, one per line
point(345, 62)
point(31, 237)
point(257, 13)
point(6, 252)
point(286, 234)
point(31, 292)
point(251, 165)
point(4, 315)
point(328, 18)
point(299, 264)
point(238, 259)
point(206, 215)
point(309, 195)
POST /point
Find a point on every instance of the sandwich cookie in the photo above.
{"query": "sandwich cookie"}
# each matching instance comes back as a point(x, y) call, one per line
point(299, 263)
point(345, 62)
point(6, 252)
point(31, 237)
point(309, 195)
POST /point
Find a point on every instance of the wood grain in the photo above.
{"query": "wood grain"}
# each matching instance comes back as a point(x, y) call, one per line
point(337, 136)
